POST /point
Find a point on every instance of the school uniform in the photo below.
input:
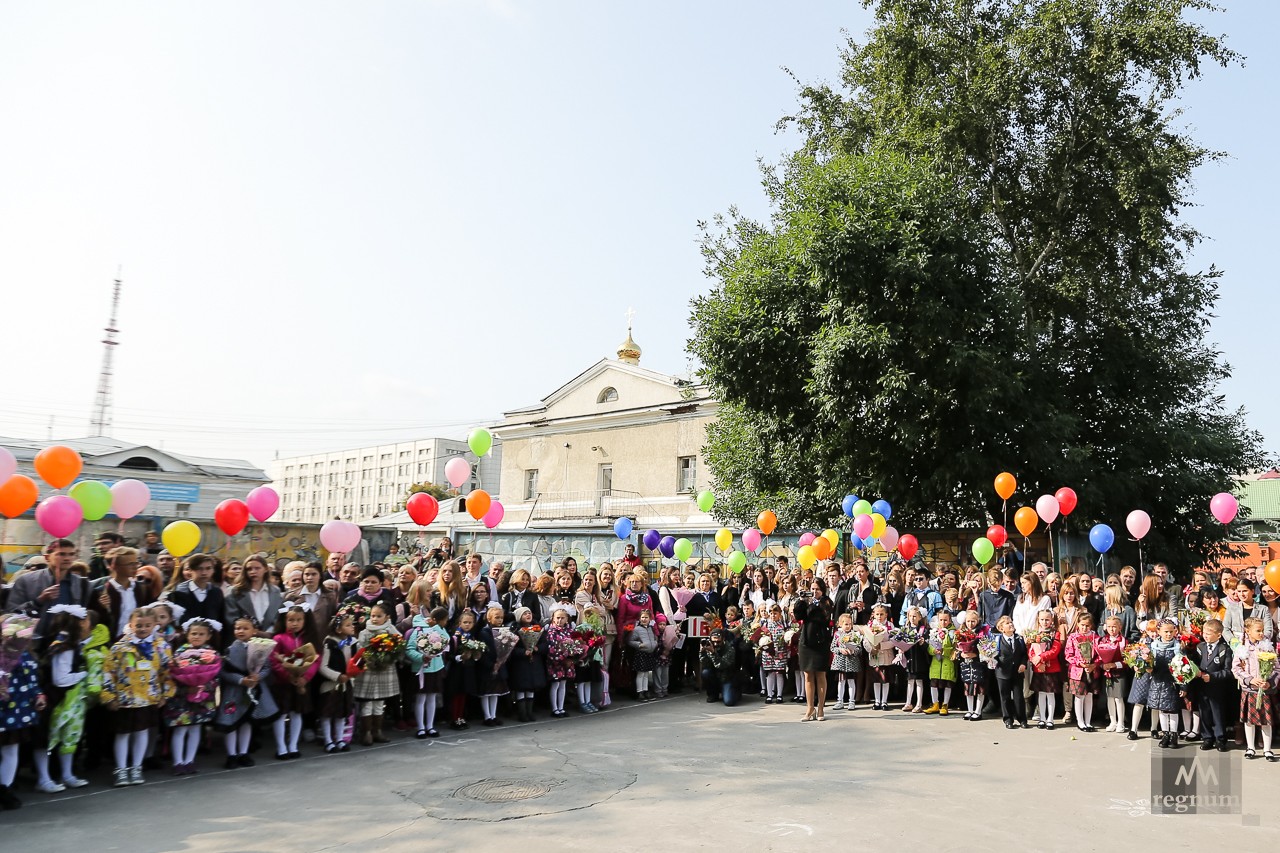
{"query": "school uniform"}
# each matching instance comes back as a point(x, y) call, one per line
point(1214, 660)
point(1011, 653)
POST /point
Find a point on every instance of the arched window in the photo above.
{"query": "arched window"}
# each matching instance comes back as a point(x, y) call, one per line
point(140, 463)
point(608, 395)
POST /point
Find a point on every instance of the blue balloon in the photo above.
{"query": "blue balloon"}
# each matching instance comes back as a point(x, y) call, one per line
point(651, 539)
point(667, 546)
point(622, 528)
point(883, 508)
point(847, 504)
point(855, 542)
point(869, 542)
point(1102, 537)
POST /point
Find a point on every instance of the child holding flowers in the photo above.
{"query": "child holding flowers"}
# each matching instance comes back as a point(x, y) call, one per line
point(643, 644)
point(912, 644)
point(846, 646)
point(294, 663)
point(336, 702)
point(1137, 656)
point(196, 665)
point(465, 649)
point(424, 647)
point(1043, 651)
point(62, 674)
point(380, 646)
point(1109, 649)
point(562, 656)
point(942, 669)
point(492, 671)
point(21, 700)
point(1082, 669)
point(1163, 695)
point(245, 664)
point(527, 667)
point(972, 673)
point(773, 652)
point(1255, 668)
point(135, 686)
point(880, 654)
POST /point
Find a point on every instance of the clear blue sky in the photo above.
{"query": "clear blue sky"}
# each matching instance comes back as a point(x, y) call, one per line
point(343, 223)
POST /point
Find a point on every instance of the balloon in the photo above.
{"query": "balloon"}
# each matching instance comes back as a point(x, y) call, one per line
point(767, 521)
point(807, 538)
point(683, 549)
point(847, 504)
point(651, 539)
point(1006, 485)
point(667, 546)
point(706, 500)
point(457, 471)
point(1139, 524)
point(17, 495)
point(832, 537)
point(422, 508)
point(869, 542)
point(1272, 574)
point(58, 515)
point(863, 525)
point(622, 528)
point(340, 537)
point(861, 508)
point(983, 550)
point(1025, 520)
point(889, 539)
point(821, 548)
point(882, 507)
point(493, 517)
point(856, 542)
point(1047, 508)
point(724, 538)
point(751, 539)
point(8, 464)
point(58, 465)
point(1066, 500)
point(478, 503)
point(479, 440)
point(231, 516)
point(1224, 507)
point(878, 524)
point(94, 498)
point(907, 546)
point(129, 497)
point(998, 535)
point(737, 562)
point(262, 502)
point(1101, 537)
point(806, 556)
point(181, 537)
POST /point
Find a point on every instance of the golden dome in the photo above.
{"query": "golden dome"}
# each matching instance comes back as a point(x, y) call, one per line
point(629, 352)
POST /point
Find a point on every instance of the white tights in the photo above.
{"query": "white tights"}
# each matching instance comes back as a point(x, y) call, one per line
point(933, 692)
point(424, 708)
point(841, 681)
point(972, 703)
point(1191, 721)
point(131, 745)
point(183, 743)
point(1046, 706)
point(584, 693)
point(1084, 710)
point(642, 682)
point(557, 695)
point(1248, 736)
point(1115, 710)
point(286, 743)
point(775, 681)
point(237, 740)
point(799, 676)
point(915, 687)
point(489, 703)
point(1169, 722)
point(880, 690)
point(8, 764)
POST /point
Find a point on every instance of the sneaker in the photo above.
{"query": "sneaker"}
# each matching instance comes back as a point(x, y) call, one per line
point(50, 787)
point(121, 778)
point(135, 776)
point(839, 706)
point(933, 709)
point(943, 711)
point(74, 782)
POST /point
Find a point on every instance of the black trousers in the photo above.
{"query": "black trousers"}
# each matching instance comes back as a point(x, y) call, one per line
point(1013, 707)
point(1212, 721)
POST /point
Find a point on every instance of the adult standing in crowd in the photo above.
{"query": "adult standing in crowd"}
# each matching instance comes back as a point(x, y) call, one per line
point(37, 590)
point(123, 591)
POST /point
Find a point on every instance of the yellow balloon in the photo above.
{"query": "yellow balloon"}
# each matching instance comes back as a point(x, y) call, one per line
point(724, 538)
point(180, 538)
point(878, 525)
point(806, 556)
point(832, 537)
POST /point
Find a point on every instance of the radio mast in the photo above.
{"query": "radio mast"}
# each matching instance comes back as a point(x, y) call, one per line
point(101, 422)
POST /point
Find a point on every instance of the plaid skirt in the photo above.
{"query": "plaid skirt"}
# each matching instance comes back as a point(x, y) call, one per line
point(1046, 682)
point(1080, 687)
point(1251, 714)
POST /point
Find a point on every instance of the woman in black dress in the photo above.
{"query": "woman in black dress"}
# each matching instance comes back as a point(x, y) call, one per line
point(815, 647)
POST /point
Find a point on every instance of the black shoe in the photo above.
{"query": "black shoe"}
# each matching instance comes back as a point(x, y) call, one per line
point(232, 762)
point(432, 733)
point(1049, 725)
point(245, 760)
point(295, 754)
point(1132, 735)
point(1224, 746)
point(1040, 725)
point(1207, 745)
point(8, 799)
point(282, 756)
point(1194, 736)
point(343, 746)
point(1008, 725)
point(421, 735)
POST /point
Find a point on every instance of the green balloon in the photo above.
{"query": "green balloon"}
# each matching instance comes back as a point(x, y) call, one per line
point(983, 550)
point(479, 440)
point(706, 500)
point(684, 549)
point(861, 508)
point(737, 562)
point(94, 498)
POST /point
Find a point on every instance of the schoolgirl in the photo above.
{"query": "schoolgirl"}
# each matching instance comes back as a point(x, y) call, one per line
point(193, 706)
point(135, 683)
point(773, 652)
point(63, 670)
point(492, 670)
point(1163, 695)
point(336, 693)
point(1044, 650)
point(846, 647)
point(1109, 650)
point(527, 666)
point(296, 638)
point(462, 679)
point(244, 698)
point(643, 643)
point(880, 654)
point(561, 659)
point(915, 660)
point(1255, 700)
point(425, 647)
point(1083, 672)
point(376, 684)
point(22, 703)
point(973, 673)
point(942, 669)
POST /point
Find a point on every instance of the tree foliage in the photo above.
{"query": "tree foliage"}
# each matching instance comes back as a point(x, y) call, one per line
point(977, 261)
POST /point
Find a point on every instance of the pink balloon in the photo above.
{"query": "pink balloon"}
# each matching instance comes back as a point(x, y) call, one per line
point(59, 515)
point(457, 471)
point(751, 539)
point(889, 539)
point(263, 502)
point(129, 497)
point(8, 464)
point(493, 517)
point(1047, 508)
point(1224, 507)
point(807, 539)
point(341, 537)
point(1139, 524)
point(863, 525)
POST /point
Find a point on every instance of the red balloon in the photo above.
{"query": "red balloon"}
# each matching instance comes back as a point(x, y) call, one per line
point(231, 516)
point(998, 535)
point(907, 546)
point(1066, 500)
point(422, 508)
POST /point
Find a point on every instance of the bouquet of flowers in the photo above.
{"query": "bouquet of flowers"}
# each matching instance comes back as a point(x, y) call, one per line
point(1266, 669)
point(196, 668)
point(260, 650)
point(383, 650)
point(938, 640)
point(429, 644)
point(357, 610)
point(570, 646)
point(15, 635)
point(506, 640)
point(967, 641)
point(670, 635)
point(298, 661)
point(1037, 642)
point(849, 643)
point(1108, 654)
point(987, 648)
point(1137, 656)
point(529, 636)
point(1194, 620)
point(682, 597)
point(471, 649)
point(905, 637)
point(1183, 670)
point(355, 666)
point(590, 636)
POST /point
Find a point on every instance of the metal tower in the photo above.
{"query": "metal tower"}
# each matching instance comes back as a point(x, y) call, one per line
point(102, 400)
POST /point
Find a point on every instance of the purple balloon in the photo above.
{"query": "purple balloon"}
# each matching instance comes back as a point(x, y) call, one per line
point(651, 539)
point(667, 546)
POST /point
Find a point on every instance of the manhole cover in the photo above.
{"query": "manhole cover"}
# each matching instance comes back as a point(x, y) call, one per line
point(502, 791)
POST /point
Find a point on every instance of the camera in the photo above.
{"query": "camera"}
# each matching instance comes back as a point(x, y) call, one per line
point(706, 644)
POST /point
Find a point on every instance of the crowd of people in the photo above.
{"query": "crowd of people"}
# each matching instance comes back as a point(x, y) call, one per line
point(135, 660)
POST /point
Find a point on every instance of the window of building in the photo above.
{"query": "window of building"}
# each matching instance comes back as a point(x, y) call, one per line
point(608, 395)
point(687, 466)
point(530, 484)
point(405, 454)
point(605, 479)
point(182, 510)
point(386, 457)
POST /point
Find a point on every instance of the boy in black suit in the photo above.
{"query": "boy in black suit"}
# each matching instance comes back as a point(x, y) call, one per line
point(1011, 665)
point(1215, 692)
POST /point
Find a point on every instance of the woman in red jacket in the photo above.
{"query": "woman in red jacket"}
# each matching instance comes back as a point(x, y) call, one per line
point(1044, 648)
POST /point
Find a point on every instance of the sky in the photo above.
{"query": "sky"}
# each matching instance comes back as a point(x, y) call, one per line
point(344, 224)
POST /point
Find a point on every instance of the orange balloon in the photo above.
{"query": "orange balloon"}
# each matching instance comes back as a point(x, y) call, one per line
point(1025, 520)
point(767, 521)
point(17, 495)
point(478, 503)
point(821, 548)
point(1006, 485)
point(58, 465)
point(1272, 574)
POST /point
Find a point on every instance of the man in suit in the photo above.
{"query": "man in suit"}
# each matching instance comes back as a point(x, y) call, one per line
point(1215, 691)
point(36, 591)
point(1011, 666)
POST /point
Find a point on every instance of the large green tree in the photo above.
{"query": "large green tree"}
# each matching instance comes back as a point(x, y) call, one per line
point(977, 261)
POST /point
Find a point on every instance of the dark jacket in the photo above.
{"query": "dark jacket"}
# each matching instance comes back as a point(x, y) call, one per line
point(1217, 666)
point(994, 603)
point(723, 660)
point(107, 602)
point(1009, 659)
